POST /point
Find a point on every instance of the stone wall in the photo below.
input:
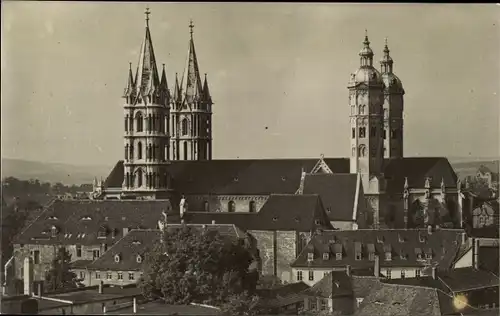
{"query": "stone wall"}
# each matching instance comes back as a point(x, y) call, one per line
point(88, 308)
point(265, 244)
point(286, 252)
point(220, 203)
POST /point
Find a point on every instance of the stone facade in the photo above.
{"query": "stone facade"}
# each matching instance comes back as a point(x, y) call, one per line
point(120, 278)
point(222, 203)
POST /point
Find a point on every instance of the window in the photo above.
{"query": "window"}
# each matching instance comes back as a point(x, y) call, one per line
point(184, 127)
point(98, 275)
point(120, 276)
point(385, 133)
point(326, 256)
point(388, 273)
point(131, 275)
point(126, 123)
point(324, 304)
point(95, 254)
point(359, 300)
point(36, 256)
point(109, 275)
point(353, 132)
point(428, 255)
point(299, 275)
point(373, 131)
point(310, 256)
point(230, 206)
point(358, 255)
point(394, 134)
point(139, 259)
point(338, 256)
point(388, 256)
point(362, 151)
point(362, 132)
point(325, 273)
point(139, 177)
point(206, 206)
point(251, 206)
point(82, 275)
point(311, 275)
point(139, 121)
point(139, 150)
point(117, 258)
point(126, 151)
point(78, 251)
point(403, 273)
point(371, 256)
point(353, 151)
point(417, 273)
point(313, 304)
point(185, 144)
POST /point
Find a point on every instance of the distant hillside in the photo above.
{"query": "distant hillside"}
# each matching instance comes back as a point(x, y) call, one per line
point(469, 168)
point(52, 172)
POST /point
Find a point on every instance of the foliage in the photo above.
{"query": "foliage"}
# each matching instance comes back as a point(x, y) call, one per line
point(197, 266)
point(59, 277)
point(319, 313)
point(269, 282)
point(242, 304)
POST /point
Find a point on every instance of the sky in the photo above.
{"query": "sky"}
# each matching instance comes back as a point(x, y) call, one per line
point(277, 72)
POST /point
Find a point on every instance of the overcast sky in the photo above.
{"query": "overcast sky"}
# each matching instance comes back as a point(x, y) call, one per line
point(281, 66)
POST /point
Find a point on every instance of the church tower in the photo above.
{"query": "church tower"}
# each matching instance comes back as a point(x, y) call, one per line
point(146, 113)
point(366, 101)
point(393, 108)
point(191, 113)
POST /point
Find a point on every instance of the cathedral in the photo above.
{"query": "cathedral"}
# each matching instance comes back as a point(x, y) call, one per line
point(168, 152)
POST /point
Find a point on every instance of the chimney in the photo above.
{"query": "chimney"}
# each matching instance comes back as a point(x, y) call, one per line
point(135, 305)
point(100, 287)
point(213, 222)
point(434, 274)
point(28, 276)
point(475, 252)
point(348, 270)
point(376, 268)
point(40, 289)
point(464, 237)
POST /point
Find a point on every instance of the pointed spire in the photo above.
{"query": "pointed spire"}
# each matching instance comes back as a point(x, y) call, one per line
point(386, 62)
point(177, 89)
point(406, 183)
point(130, 89)
point(191, 81)
point(206, 91)
point(366, 52)
point(164, 84)
point(147, 79)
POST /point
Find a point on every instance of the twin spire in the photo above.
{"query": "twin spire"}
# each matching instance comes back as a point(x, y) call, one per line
point(366, 55)
point(148, 83)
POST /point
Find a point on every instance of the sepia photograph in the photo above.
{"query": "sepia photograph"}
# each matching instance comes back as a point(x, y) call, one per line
point(246, 158)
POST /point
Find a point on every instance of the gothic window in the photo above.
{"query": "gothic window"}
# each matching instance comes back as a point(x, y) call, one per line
point(130, 123)
point(131, 156)
point(185, 150)
point(353, 132)
point(126, 151)
point(126, 123)
point(206, 206)
point(139, 178)
point(385, 150)
point(148, 123)
point(251, 207)
point(362, 151)
point(362, 132)
point(385, 133)
point(184, 127)
point(386, 113)
point(353, 110)
point(149, 152)
point(373, 131)
point(139, 150)
point(231, 207)
point(139, 122)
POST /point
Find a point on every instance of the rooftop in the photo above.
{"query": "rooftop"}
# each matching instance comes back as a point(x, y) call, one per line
point(160, 308)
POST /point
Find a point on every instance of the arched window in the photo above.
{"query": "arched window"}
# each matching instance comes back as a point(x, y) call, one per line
point(139, 150)
point(362, 151)
point(131, 156)
point(139, 178)
point(231, 207)
point(354, 151)
point(149, 152)
point(126, 151)
point(362, 132)
point(251, 207)
point(353, 132)
point(206, 206)
point(185, 150)
point(139, 122)
point(184, 127)
point(126, 123)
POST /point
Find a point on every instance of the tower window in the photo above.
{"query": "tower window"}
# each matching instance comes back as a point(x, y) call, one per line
point(231, 207)
point(362, 132)
point(385, 133)
point(139, 150)
point(206, 206)
point(139, 177)
point(373, 131)
point(185, 150)
point(353, 132)
point(126, 123)
point(126, 151)
point(362, 151)
point(139, 122)
point(394, 133)
point(354, 151)
point(184, 127)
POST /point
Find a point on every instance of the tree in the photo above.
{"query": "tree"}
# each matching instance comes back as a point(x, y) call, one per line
point(242, 304)
point(190, 265)
point(59, 277)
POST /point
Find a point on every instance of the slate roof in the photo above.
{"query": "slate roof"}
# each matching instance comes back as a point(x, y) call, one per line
point(336, 283)
point(337, 192)
point(78, 222)
point(464, 279)
point(398, 300)
point(289, 212)
point(404, 245)
point(282, 296)
point(362, 285)
point(489, 258)
point(267, 176)
point(137, 242)
point(416, 169)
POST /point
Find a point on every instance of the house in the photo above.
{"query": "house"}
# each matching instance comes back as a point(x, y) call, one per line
point(403, 253)
point(122, 263)
point(286, 299)
point(486, 214)
point(487, 175)
point(85, 228)
point(478, 289)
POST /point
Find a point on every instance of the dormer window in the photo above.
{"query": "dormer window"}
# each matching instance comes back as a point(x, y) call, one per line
point(328, 209)
point(418, 253)
point(53, 230)
point(310, 256)
point(428, 254)
point(338, 251)
point(86, 218)
point(83, 235)
point(136, 242)
point(357, 250)
point(283, 178)
point(421, 237)
point(102, 232)
point(371, 251)
point(235, 179)
point(388, 252)
point(53, 218)
point(326, 256)
point(275, 219)
point(401, 238)
point(317, 222)
point(380, 239)
point(117, 258)
point(138, 259)
point(402, 255)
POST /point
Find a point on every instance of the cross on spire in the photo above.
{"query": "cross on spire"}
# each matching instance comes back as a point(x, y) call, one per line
point(191, 26)
point(147, 13)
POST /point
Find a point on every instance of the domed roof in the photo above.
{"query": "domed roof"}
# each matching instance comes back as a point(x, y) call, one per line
point(368, 75)
point(386, 59)
point(366, 51)
point(392, 81)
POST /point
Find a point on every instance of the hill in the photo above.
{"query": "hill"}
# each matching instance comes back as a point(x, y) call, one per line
point(52, 172)
point(469, 168)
